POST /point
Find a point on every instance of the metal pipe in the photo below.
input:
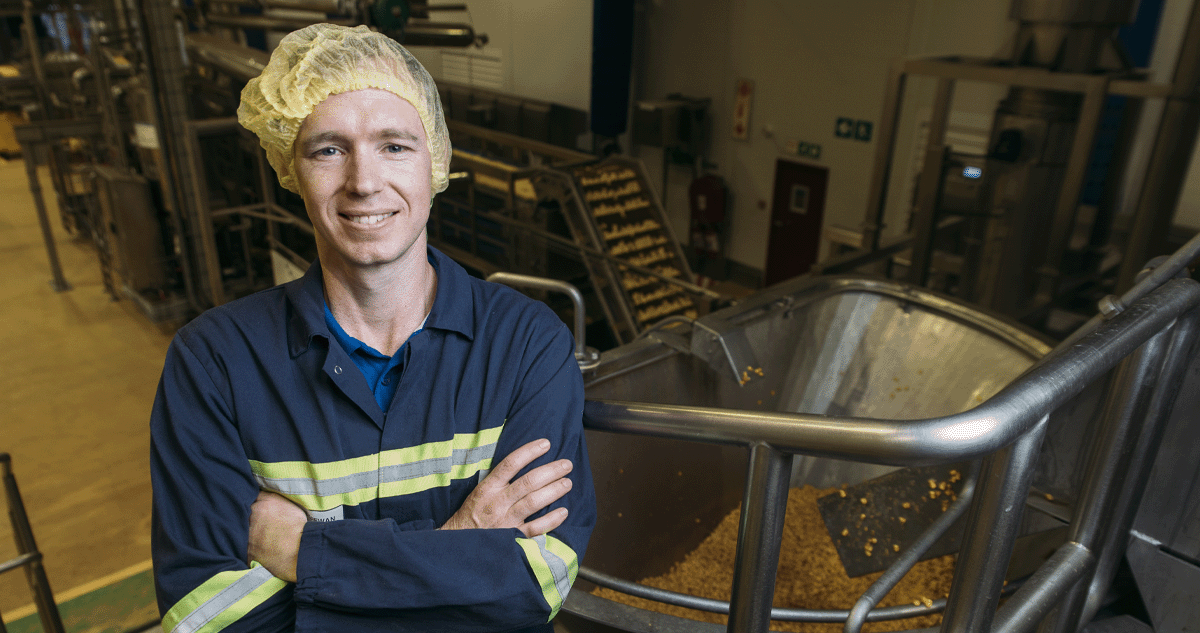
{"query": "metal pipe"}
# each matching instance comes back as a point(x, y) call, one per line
point(1162, 402)
point(760, 532)
point(43, 597)
point(1067, 205)
point(1120, 461)
point(905, 562)
point(318, 6)
point(992, 425)
point(929, 188)
point(20, 561)
point(991, 530)
point(829, 616)
point(1169, 159)
point(586, 356)
point(1041, 592)
point(888, 123)
point(268, 23)
point(437, 34)
point(39, 203)
point(1111, 306)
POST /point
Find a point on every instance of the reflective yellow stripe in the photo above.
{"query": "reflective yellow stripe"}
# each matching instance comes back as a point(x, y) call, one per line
point(221, 600)
point(391, 473)
point(555, 566)
point(436, 480)
point(541, 571)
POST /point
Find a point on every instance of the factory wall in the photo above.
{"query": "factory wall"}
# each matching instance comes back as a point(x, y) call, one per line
point(811, 63)
point(543, 47)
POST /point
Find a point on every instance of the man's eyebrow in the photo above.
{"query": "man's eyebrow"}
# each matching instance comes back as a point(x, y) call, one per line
point(335, 136)
point(397, 134)
point(323, 137)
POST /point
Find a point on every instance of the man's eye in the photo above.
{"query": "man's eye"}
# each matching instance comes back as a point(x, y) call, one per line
point(327, 151)
point(396, 149)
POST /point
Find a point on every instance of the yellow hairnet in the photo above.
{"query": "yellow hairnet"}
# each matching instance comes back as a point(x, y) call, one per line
point(322, 60)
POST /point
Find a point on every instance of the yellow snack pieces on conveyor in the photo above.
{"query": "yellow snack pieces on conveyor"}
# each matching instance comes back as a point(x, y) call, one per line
point(607, 177)
point(629, 229)
point(810, 573)
point(641, 243)
point(628, 188)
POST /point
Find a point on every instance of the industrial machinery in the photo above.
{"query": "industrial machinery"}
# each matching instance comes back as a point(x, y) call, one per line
point(1019, 244)
point(854, 376)
point(135, 114)
point(826, 381)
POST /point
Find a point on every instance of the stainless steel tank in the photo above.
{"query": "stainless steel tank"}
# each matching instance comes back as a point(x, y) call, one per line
point(836, 346)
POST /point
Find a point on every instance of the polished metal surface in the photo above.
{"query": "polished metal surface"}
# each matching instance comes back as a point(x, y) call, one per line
point(1041, 592)
point(854, 336)
point(901, 440)
point(760, 533)
point(1142, 399)
point(846, 338)
point(991, 531)
point(828, 616)
point(1169, 513)
point(241, 62)
point(587, 357)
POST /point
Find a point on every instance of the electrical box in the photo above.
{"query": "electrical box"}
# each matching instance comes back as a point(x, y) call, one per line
point(131, 223)
point(678, 122)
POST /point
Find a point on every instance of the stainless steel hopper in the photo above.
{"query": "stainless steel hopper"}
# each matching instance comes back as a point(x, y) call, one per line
point(853, 377)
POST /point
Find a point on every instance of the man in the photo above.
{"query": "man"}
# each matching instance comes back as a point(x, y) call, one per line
point(385, 443)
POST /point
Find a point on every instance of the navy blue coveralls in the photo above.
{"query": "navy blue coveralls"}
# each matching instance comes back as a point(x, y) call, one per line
point(256, 395)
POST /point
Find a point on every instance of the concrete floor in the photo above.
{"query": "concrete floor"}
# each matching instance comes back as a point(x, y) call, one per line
point(74, 410)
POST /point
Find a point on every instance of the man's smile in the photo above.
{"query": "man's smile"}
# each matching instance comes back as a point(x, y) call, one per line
point(368, 219)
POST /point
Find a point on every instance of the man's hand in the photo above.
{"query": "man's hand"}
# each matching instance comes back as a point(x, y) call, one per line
point(275, 528)
point(500, 502)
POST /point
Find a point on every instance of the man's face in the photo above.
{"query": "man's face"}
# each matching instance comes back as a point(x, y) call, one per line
point(363, 166)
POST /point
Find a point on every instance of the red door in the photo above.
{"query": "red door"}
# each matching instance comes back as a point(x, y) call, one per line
point(796, 213)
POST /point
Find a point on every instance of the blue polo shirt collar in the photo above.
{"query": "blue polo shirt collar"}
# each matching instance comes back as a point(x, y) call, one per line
point(453, 306)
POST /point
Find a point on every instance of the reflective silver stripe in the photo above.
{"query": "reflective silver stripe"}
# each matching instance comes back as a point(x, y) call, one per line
point(558, 567)
point(372, 479)
point(227, 597)
point(320, 487)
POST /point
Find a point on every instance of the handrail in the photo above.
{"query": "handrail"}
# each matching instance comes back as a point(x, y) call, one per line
point(1015, 414)
point(980, 431)
point(587, 357)
point(1110, 306)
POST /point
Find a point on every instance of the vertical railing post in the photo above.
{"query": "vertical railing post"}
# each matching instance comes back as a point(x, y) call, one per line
point(35, 573)
point(1120, 462)
point(990, 533)
point(59, 282)
point(759, 535)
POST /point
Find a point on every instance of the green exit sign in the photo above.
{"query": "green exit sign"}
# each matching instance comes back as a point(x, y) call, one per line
point(856, 129)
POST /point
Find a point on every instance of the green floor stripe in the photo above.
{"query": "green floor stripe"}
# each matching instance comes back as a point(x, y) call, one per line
point(112, 609)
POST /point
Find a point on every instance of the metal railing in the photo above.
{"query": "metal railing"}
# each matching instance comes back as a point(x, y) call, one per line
point(1156, 332)
point(28, 557)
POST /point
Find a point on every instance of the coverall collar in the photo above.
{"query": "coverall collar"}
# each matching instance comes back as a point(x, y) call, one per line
point(453, 307)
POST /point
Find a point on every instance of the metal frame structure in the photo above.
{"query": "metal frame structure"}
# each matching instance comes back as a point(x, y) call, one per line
point(1094, 88)
point(28, 556)
point(1152, 340)
point(1159, 188)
